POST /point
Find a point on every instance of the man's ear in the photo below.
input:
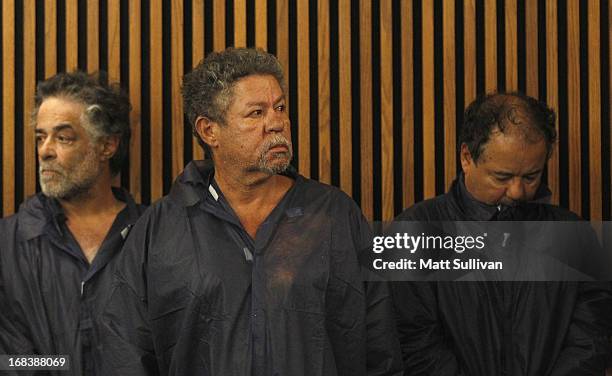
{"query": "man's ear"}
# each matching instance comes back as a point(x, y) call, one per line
point(465, 157)
point(207, 131)
point(109, 146)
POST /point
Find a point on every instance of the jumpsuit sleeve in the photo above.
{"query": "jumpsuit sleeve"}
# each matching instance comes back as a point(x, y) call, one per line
point(124, 328)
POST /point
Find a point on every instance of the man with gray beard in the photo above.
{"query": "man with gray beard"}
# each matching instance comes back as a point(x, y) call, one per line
point(57, 251)
point(246, 267)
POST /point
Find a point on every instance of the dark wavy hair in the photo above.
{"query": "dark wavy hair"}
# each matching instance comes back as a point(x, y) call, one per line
point(498, 111)
point(207, 89)
point(107, 107)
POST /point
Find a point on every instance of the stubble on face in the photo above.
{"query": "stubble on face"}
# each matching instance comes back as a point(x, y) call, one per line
point(274, 162)
point(69, 181)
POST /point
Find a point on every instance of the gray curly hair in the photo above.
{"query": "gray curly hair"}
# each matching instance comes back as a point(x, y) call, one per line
point(107, 107)
point(208, 89)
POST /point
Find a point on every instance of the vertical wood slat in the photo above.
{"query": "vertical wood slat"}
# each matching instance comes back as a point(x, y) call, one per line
point(429, 141)
point(219, 25)
point(93, 35)
point(324, 92)
point(532, 48)
point(29, 87)
point(610, 96)
point(135, 99)
point(114, 41)
point(345, 111)
point(386, 108)
point(365, 110)
point(282, 35)
point(240, 22)
point(176, 75)
point(156, 105)
point(448, 18)
point(303, 90)
point(261, 24)
point(407, 105)
point(595, 168)
point(197, 52)
point(490, 25)
point(573, 96)
point(8, 105)
point(511, 57)
point(282, 41)
point(50, 38)
point(469, 48)
point(72, 29)
point(114, 45)
point(552, 91)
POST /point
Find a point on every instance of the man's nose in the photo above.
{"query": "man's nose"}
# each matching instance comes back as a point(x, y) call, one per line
point(516, 190)
point(277, 122)
point(46, 150)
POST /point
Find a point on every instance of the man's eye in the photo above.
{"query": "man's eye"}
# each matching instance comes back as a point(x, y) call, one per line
point(256, 113)
point(40, 139)
point(64, 139)
point(530, 178)
point(502, 179)
point(281, 108)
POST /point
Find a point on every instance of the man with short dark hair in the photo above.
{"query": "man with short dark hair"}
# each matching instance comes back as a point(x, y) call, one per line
point(502, 327)
point(56, 252)
point(246, 267)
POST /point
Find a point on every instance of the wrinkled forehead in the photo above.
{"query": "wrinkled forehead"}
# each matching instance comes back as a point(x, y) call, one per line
point(59, 109)
point(256, 89)
point(62, 113)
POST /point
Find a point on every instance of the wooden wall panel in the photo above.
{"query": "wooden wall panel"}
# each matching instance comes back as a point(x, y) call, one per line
point(490, 34)
point(407, 45)
point(385, 63)
point(50, 22)
point(72, 35)
point(261, 24)
point(113, 47)
point(282, 37)
point(324, 91)
point(469, 50)
point(573, 105)
point(511, 44)
point(197, 47)
point(450, 125)
point(531, 41)
point(29, 87)
point(114, 40)
point(8, 106)
point(155, 99)
point(218, 25)
point(345, 113)
point(386, 104)
point(428, 89)
point(303, 90)
point(135, 84)
point(93, 37)
point(240, 22)
point(176, 72)
point(365, 111)
point(594, 110)
point(552, 90)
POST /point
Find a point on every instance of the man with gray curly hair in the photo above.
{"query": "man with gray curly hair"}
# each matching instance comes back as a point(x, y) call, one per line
point(247, 267)
point(57, 251)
